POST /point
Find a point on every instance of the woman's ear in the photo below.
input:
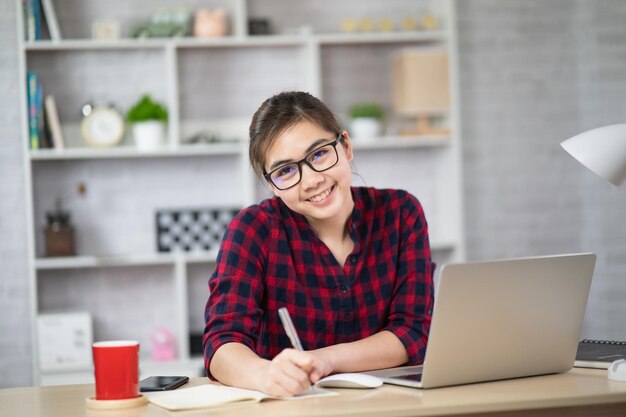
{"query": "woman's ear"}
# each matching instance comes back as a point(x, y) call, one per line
point(347, 145)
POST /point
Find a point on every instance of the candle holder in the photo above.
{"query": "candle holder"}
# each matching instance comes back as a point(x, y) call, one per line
point(59, 234)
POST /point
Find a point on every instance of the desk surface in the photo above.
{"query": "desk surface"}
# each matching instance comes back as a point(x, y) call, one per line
point(545, 394)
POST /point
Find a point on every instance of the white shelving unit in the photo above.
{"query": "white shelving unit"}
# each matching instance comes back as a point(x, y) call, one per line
point(188, 75)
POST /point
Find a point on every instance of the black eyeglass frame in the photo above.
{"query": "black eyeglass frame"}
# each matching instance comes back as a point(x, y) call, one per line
point(268, 175)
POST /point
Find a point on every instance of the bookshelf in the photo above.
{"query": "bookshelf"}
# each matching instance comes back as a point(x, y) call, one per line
point(208, 85)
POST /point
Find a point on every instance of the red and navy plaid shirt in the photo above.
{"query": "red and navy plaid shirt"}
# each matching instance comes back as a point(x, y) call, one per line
point(270, 257)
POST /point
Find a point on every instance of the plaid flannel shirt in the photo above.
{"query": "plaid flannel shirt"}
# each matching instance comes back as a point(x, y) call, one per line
point(270, 257)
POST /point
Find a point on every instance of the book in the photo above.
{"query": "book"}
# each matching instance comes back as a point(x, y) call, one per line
point(36, 13)
point(40, 117)
point(32, 84)
point(53, 123)
point(51, 19)
point(26, 16)
point(215, 395)
point(29, 20)
point(599, 353)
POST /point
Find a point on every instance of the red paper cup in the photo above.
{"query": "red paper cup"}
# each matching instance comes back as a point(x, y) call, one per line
point(116, 368)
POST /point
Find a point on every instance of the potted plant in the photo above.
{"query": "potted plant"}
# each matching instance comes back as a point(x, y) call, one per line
point(366, 120)
point(147, 119)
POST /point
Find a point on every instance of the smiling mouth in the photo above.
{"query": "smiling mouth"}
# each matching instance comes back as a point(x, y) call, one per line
point(321, 196)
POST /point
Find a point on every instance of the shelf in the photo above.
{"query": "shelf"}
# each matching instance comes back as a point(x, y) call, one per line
point(191, 367)
point(200, 258)
point(386, 142)
point(232, 41)
point(395, 142)
point(160, 43)
point(248, 41)
point(210, 85)
point(380, 37)
point(233, 148)
point(145, 362)
point(91, 44)
point(443, 246)
point(72, 262)
point(79, 262)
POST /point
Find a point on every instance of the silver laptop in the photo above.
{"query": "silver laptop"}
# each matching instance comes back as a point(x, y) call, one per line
point(502, 319)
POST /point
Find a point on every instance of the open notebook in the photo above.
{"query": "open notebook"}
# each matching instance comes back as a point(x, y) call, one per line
point(214, 395)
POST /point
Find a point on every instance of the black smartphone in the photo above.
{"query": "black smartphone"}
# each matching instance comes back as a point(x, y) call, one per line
point(162, 383)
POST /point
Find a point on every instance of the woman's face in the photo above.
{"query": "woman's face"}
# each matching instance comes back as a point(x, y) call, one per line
point(318, 195)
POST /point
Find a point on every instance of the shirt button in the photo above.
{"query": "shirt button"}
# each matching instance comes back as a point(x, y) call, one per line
point(344, 289)
point(353, 259)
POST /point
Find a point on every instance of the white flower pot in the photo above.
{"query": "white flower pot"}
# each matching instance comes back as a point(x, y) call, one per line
point(149, 136)
point(365, 128)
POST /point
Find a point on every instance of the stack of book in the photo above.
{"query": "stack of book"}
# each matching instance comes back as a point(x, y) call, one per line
point(44, 127)
point(34, 20)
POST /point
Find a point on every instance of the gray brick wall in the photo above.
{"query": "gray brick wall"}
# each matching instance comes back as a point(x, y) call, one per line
point(15, 333)
point(519, 76)
point(534, 73)
point(602, 86)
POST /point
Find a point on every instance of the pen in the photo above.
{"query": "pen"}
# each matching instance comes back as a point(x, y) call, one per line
point(290, 329)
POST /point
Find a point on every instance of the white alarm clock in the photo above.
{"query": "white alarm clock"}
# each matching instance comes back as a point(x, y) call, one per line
point(102, 126)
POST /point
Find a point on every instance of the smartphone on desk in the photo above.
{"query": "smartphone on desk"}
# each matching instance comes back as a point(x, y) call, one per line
point(162, 383)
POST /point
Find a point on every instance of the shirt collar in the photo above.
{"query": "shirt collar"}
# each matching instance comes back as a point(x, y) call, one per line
point(354, 221)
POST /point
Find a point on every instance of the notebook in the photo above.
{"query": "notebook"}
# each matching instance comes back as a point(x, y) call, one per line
point(599, 353)
point(213, 395)
point(502, 319)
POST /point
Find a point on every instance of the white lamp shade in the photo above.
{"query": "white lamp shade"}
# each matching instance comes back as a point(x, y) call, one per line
point(602, 150)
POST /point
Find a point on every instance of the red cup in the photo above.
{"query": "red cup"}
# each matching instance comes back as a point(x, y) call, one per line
point(116, 368)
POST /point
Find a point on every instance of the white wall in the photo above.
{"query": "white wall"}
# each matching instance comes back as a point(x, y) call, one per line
point(15, 353)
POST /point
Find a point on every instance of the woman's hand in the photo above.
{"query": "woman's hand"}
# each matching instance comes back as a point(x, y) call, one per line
point(292, 372)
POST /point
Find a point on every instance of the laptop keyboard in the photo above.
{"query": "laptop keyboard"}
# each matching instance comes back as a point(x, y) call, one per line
point(410, 377)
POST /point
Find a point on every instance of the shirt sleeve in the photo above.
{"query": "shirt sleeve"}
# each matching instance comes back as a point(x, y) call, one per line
point(411, 307)
point(233, 311)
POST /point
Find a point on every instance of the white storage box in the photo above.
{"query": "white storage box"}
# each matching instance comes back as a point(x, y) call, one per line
point(65, 341)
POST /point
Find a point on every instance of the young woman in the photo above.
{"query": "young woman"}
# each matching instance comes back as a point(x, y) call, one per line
point(351, 264)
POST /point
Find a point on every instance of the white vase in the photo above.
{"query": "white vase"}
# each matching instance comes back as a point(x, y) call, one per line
point(149, 136)
point(365, 128)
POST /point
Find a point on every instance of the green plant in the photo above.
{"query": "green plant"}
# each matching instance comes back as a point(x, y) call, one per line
point(371, 110)
point(146, 109)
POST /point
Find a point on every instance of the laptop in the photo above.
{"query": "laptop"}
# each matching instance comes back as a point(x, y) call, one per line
point(502, 319)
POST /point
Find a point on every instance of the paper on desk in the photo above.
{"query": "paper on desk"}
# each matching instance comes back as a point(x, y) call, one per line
point(213, 395)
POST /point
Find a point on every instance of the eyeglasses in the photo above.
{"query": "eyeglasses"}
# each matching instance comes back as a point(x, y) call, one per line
point(320, 159)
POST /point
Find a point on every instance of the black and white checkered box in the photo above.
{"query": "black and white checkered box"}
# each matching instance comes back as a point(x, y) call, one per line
point(192, 229)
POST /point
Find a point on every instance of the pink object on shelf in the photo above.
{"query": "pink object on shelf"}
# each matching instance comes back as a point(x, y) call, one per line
point(163, 348)
point(210, 24)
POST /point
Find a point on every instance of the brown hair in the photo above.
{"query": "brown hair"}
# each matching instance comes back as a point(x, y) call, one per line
point(280, 112)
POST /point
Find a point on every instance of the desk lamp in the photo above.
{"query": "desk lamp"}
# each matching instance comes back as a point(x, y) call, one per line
point(421, 88)
point(602, 150)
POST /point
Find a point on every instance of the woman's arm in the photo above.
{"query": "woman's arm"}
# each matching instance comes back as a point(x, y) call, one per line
point(292, 372)
point(378, 351)
point(412, 301)
point(285, 375)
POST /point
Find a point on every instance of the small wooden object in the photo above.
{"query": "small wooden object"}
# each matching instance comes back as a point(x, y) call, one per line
point(59, 241)
point(92, 403)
